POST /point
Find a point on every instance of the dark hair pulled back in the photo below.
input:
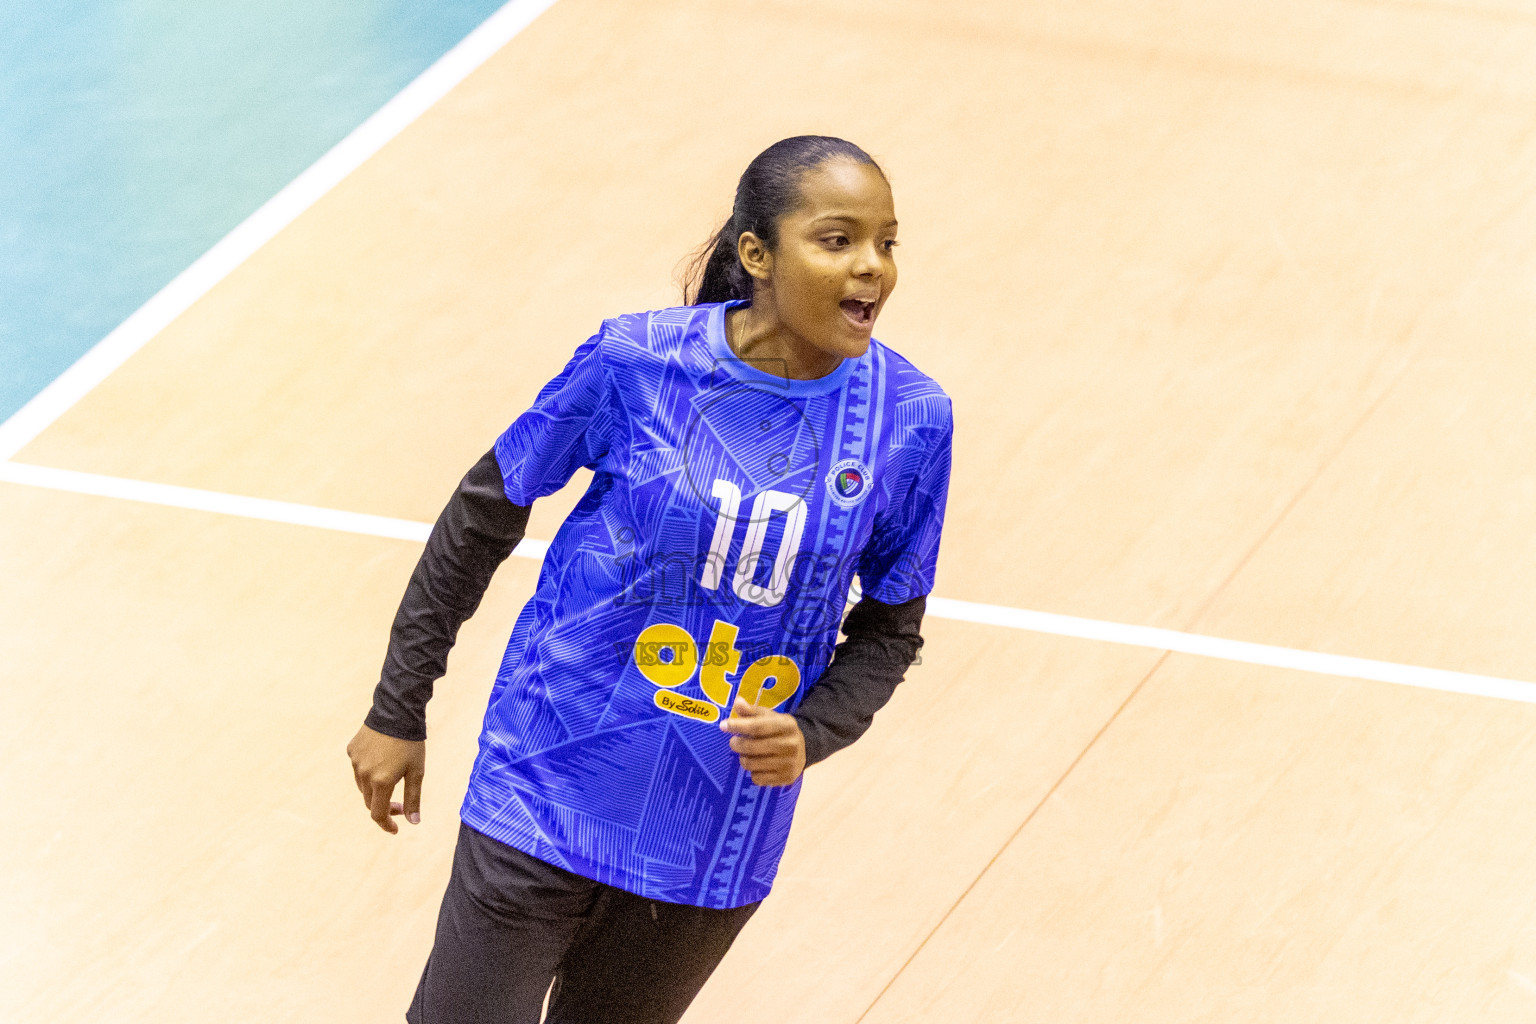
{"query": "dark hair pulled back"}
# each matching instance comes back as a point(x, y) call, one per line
point(768, 189)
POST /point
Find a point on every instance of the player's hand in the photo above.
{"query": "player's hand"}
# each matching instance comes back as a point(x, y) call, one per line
point(378, 763)
point(769, 744)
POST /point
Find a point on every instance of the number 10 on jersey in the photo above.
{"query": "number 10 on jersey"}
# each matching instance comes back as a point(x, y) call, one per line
point(772, 592)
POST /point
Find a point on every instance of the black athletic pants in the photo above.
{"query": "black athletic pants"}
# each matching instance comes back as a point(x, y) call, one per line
point(510, 923)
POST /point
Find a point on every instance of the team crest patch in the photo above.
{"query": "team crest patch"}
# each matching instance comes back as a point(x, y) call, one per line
point(848, 483)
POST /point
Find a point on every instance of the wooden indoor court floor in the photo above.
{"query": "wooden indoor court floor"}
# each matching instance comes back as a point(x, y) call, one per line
point(1235, 303)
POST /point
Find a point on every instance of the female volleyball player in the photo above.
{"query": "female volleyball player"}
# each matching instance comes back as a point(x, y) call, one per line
point(751, 453)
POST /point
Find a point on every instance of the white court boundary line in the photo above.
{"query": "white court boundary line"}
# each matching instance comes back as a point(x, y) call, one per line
point(230, 504)
point(1235, 650)
point(938, 607)
point(259, 228)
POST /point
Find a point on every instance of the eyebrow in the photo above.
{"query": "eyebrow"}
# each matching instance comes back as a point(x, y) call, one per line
point(847, 217)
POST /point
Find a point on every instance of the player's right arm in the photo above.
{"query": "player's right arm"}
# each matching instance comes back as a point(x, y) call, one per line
point(567, 427)
point(477, 530)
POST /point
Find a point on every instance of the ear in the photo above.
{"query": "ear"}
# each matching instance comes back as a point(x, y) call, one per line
point(754, 255)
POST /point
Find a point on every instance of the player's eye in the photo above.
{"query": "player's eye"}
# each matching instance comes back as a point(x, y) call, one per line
point(890, 243)
point(837, 241)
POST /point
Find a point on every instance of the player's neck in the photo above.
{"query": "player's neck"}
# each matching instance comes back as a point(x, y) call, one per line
point(760, 338)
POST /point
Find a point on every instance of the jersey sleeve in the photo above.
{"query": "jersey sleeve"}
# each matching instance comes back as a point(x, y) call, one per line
point(568, 426)
point(898, 563)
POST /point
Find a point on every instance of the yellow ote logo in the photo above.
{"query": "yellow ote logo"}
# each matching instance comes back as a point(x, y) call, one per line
point(768, 682)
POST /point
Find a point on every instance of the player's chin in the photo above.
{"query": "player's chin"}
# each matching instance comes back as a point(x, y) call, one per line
point(846, 339)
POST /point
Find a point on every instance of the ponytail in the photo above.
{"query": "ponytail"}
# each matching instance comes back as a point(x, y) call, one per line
point(768, 189)
point(718, 271)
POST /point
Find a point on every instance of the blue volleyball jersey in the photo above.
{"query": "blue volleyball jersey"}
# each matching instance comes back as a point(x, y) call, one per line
point(711, 556)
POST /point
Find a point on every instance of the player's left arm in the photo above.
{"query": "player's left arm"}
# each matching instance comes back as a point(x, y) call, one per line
point(882, 642)
point(883, 634)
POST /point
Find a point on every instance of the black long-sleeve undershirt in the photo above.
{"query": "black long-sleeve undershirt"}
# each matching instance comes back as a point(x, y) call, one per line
point(476, 532)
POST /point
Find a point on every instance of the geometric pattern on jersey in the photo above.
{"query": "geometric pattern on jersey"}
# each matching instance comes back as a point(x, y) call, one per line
point(728, 512)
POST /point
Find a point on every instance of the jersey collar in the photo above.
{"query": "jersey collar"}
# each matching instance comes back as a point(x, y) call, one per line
point(741, 370)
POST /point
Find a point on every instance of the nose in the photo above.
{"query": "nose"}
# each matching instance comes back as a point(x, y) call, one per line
point(866, 262)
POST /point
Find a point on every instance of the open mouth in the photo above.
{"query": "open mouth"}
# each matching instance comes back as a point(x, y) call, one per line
point(860, 314)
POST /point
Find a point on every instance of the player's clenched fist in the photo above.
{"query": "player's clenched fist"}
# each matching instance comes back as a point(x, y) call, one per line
point(379, 762)
point(770, 745)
